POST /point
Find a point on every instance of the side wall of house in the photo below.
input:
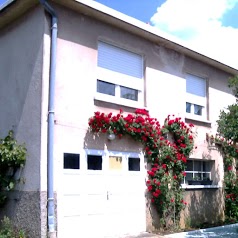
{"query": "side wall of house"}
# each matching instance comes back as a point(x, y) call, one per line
point(165, 93)
point(21, 57)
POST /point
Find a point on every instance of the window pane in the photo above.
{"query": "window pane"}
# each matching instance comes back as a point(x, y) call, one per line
point(189, 176)
point(188, 107)
point(94, 162)
point(198, 110)
point(197, 165)
point(129, 93)
point(207, 166)
point(189, 165)
point(71, 161)
point(197, 176)
point(134, 164)
point(106, 88)
point(206, 176)
point(115, 163)
point(119, 60)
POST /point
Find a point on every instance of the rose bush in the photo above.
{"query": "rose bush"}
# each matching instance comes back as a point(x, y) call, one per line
point(166, 157)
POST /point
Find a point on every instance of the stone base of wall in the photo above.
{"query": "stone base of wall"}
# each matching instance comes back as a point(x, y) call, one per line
point(28, 210)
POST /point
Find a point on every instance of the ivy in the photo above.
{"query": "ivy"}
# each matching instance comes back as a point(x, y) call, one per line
point(167, 156)
point(12, 157)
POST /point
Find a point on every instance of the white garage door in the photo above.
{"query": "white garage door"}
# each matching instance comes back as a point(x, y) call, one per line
point(103, 195)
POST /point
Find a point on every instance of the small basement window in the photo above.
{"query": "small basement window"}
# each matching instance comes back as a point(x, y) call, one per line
point(94, 162)
point(71, 161)
point(134, 164)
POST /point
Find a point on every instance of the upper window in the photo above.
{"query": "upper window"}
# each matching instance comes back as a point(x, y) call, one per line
point(196, 96)
point(120, 74)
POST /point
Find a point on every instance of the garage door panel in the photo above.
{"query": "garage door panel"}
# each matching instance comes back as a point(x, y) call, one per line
point(95, 204)
point(84, 226)
point(94, 184)
point(73, 205)
point(104, 203)
point(73, 183)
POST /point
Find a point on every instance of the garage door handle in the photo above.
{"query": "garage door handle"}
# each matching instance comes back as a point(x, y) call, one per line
point(107, 195)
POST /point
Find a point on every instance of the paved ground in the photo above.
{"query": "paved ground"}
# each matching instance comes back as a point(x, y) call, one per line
point(144, 235)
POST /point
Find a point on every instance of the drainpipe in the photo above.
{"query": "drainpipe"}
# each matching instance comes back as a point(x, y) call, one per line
point(50, 139)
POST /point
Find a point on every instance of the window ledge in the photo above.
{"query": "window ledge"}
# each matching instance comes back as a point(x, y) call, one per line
point(197, 118)
point(118, 101)
point(185, 186)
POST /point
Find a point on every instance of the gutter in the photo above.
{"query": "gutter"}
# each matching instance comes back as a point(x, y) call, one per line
point(51, 116)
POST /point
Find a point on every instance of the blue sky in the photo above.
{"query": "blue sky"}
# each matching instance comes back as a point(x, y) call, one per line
point(207, 26)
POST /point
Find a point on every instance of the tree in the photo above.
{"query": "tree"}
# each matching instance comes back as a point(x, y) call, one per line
point(228, 118)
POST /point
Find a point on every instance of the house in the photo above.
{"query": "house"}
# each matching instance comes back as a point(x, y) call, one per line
point(78, 184)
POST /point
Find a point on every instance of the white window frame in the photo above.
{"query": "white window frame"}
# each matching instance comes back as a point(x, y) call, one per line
point(120, 79)
point(183, 183)
point(105, 161)
point(197, 100)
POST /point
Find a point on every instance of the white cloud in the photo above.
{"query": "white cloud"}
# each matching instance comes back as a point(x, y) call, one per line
point(199, 24)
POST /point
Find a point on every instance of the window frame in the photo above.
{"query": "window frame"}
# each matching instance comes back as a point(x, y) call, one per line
point(196, 100)
point(121, 80)
point(210, 172)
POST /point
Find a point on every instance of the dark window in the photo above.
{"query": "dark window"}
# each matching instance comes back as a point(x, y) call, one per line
point(134, 164)
point(71, 161)
point(188, 107)
point(129, 93)
point(105, 88)
point(198, 110)
point(94, 162)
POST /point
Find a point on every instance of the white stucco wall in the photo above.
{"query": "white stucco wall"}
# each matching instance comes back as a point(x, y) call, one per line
point(165, 84)
point(20, 90)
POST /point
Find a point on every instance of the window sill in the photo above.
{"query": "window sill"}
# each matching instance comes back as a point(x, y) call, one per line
point(118, 101)
point(185, 186)
point(196, 118)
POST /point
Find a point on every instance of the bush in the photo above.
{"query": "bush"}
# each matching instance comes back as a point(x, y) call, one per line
point(12, 158)
point(8, 230)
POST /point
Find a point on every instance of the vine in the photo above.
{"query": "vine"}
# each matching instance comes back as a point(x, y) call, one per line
point(229, 151)
point(167, 156)
point(12, 157)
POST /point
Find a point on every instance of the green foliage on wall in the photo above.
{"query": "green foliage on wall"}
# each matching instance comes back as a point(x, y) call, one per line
point(227, 139)
point(12, 158)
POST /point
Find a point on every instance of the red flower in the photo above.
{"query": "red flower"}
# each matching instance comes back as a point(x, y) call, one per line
point(164, 166)
point(175, 177)
point(229, 168)
point(155, 194)
point(152, 200)
point(158, 191)
point(184, 173)
point(150, 188)
point(151, 173)
point(172, 200)
point(182, 137)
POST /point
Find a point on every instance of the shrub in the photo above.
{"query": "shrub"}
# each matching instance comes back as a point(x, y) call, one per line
point(8, 230)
